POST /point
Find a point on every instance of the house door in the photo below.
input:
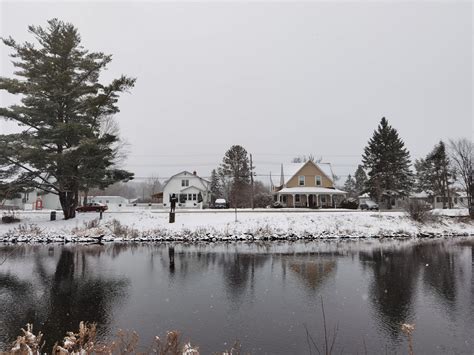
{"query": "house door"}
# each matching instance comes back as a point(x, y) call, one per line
point(312, 201)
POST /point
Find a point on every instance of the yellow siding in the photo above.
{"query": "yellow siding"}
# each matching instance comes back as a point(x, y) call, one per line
point(310, 171)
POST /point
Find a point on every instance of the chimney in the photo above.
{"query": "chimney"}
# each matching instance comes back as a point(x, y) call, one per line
point(194, 172)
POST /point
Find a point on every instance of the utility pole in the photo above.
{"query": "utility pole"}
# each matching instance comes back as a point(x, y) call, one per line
point(471, 200)
point(251, 182)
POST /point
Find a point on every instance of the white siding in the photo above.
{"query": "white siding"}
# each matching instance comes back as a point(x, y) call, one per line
point(195, 185)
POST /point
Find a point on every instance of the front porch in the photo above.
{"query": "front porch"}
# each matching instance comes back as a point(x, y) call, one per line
point(316, 197)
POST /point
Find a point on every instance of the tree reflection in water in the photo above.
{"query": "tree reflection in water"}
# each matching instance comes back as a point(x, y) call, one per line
point(398, 272)
point(56, 302)
point(392, 288)
point(174, 284)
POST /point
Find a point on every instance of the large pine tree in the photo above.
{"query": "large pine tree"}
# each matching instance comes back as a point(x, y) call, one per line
point(388, 164)
point(235, 168)
point(8, 190)
point(63, 147)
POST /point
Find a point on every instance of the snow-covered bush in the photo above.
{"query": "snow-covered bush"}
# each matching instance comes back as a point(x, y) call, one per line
point(262, 200)
point(418, 210)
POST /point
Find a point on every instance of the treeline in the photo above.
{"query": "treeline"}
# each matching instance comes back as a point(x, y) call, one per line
point(386, 171)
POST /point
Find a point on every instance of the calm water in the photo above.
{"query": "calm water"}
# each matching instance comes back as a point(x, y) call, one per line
point(260, 294)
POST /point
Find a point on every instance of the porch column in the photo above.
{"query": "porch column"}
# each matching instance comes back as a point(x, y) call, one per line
point(317, 200)
point(330, 199)
point(307, 200)
point(294, 204)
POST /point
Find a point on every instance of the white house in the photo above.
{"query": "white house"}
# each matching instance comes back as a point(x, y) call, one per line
point(35, 200)
point(458, 199)
point(189, 188)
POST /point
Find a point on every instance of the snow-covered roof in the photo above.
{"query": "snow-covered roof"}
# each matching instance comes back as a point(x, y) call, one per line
point(185, 172)
point(310, 190)
point(192, 188)
point(290, 170)
point(111, 196)
point(422, 194)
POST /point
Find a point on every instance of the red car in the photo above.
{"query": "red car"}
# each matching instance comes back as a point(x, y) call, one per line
point(93, 206)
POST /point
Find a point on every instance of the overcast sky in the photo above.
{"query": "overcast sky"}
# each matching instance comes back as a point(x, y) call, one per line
point(279, 78)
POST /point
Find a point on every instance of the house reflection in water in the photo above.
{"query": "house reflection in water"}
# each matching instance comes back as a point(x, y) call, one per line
point(311, 271)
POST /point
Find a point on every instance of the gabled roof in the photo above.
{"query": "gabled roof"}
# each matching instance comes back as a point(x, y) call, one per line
point(203, 181)
point(192, 187)
point(290, 170)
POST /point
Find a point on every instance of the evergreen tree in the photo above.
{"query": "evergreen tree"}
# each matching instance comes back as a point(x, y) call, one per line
point(350, 186)
point(422, 178)
point(63, 148)
point(215, 186)
point(433, 174)
point(236, 167)
point(360, 180)
point(8, 190)
point(388, 162)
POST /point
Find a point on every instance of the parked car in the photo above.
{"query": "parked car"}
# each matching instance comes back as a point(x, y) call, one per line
point(92, 206)
point(278, 204)
point(369, 205)
point(221, 203)
point(349, 203)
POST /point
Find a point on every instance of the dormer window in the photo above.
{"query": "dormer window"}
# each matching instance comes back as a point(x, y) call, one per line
point(318, 181)
point(301, 180)
point(185, 183)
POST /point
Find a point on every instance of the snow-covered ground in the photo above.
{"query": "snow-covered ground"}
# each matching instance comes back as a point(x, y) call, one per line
point(221, 225)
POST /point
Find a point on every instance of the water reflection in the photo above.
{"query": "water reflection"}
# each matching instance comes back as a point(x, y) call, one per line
point(311, 271)
point(261, 294)
point(393, 286)
point(56, 299)
point(442, 271)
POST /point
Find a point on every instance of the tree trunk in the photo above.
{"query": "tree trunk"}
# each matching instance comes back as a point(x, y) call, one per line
point(68, 200)
point(450, 203)
point(86, 195)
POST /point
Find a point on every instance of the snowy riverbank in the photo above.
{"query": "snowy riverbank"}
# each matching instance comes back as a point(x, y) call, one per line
point(212, 225)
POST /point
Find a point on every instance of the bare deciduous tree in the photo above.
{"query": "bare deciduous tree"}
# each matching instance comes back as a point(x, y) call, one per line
point(462, 158)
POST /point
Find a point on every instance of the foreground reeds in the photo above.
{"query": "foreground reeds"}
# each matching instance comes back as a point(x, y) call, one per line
point(85, 342)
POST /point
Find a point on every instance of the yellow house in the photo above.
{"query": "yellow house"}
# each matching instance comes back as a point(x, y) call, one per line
point(307, 184)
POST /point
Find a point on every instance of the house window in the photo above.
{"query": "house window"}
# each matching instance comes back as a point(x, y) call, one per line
point(438, 199)
point(455, 200)
point(323, 199)
point(185, 182)
point(301, 180)
point(318, 180)
point(297, 198)
point(194, 197)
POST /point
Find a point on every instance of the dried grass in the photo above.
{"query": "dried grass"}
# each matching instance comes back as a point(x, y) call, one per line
point(120, 230)
point(85, 342)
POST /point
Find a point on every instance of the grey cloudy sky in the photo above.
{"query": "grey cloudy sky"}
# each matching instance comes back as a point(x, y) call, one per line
point(279, 78)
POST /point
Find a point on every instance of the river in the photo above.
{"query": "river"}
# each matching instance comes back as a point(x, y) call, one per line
point(268, 296)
